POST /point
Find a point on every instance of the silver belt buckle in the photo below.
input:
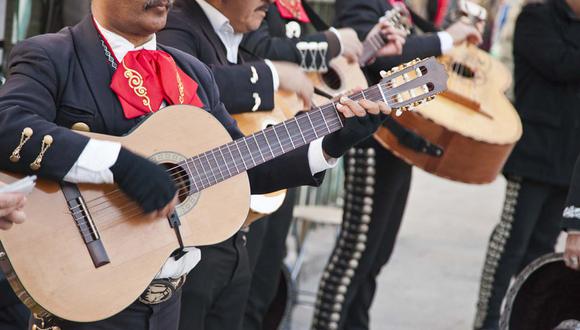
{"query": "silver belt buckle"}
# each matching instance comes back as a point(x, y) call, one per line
point(161, 290)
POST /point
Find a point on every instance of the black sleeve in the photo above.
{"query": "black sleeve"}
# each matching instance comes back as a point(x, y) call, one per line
point(250, 88)
point(571, 215)
point(266, 45)
point(29, 98)
point(538, 40)
point(362, 16)
point(287, 171)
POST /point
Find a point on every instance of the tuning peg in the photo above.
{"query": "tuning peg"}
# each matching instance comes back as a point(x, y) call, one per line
point(384, 74)
point(431, 98)
point(399, 112)
point(415, 61)
point(418, 103)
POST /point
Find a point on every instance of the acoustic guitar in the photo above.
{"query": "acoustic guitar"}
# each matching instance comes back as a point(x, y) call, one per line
point(89, 255)
point(473, 122)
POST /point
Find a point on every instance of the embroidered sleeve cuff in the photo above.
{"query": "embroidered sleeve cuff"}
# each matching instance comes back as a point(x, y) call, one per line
point(93, 164)
point(446, 41)
point(316, 159)
point(275, 77)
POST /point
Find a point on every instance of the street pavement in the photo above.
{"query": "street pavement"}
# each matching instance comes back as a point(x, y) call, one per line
point(431, 281)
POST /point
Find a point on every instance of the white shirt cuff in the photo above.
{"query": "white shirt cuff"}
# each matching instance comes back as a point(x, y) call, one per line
point(446, 41)
point(275, 77)
point(93, 164)
point(316, 159)
point(335, 31)
point(176, 268)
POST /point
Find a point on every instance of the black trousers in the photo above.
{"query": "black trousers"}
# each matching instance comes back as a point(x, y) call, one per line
point(13, 314)
point(214, 295)
point(528, 228)
point(377, 184)
point(138, 316)
point(267, 249)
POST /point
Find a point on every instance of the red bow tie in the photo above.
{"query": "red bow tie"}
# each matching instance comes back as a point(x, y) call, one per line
point(145, 78)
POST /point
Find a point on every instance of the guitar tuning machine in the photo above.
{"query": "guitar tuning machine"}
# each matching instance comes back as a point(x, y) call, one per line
point(430, 98)
point(385, 74)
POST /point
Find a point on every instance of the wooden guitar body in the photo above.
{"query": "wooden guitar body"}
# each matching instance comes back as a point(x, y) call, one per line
point(473, 121)
point(51, 258)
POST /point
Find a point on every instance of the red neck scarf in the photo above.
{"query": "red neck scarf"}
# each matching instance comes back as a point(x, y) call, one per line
point(145, 78)
point(292, 9)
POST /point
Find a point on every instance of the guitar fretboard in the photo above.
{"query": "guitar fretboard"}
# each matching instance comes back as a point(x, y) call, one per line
point(226, 161)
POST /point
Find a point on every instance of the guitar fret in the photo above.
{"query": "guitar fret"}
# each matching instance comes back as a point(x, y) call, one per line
point(268, 143)
point(241, 155)
point(249, 151)
point(324, 120)
point(278, 138)
point(218, 165)
point(199, 174)
point(191, 174)
point(300, 129)
point(210, 169)
point(276, 146)
point(258, 147)
point(225, 161)
point(289, 135)
point(311, 124)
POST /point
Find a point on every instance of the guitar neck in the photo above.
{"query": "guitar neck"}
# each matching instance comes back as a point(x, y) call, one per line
point(221, 163)
point(370, 47)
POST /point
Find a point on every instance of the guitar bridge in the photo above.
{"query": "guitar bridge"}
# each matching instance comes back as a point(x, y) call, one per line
point(85, 224)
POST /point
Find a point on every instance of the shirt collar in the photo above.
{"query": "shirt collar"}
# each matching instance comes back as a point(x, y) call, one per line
point(121, 46)
point(222, 27)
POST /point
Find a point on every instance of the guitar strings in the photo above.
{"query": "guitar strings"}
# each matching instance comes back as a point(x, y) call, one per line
point(105, 196)
point(132, 210)
point(355, 96)
point(137, 211)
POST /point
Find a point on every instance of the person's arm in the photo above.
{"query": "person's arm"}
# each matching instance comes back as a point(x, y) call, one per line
point(539, 41)
point(305, 51)
point(28, 107)
point(305, 165)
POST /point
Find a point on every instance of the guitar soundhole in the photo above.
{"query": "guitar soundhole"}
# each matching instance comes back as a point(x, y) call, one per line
point(181, 179)
point(462, 70)
point(332, 79)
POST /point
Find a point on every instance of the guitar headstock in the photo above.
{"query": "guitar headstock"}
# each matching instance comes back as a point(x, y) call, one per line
point(399, 17)
point(409, 85)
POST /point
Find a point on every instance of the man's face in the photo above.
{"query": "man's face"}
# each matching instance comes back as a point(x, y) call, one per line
point(135, 17)
point(244, 15)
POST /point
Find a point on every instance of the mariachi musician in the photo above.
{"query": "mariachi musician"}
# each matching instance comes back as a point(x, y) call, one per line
point(377, 182)
point(75, 78)
point(282, 36)
point(547, 91)
point(212, 31)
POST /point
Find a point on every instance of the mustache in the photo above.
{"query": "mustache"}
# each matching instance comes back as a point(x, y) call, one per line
point(159, 3)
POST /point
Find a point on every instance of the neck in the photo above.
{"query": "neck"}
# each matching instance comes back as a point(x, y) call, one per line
point(222, 8)
point(575, 6)
point(135, 39)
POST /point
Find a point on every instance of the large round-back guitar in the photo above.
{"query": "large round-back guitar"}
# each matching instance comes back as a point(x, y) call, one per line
point(86, 252)
point(473, 122)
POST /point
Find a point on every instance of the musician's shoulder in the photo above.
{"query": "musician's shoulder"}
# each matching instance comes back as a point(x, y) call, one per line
point(49, 45)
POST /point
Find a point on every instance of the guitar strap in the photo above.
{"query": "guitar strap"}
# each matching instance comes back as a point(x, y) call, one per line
point(317, 21)
point(412, 140)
